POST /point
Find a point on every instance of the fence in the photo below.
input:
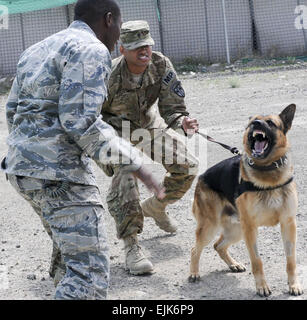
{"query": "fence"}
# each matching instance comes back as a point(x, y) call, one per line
point(205, 30)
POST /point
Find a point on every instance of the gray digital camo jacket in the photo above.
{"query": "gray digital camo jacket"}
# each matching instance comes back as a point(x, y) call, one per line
point(53, 110)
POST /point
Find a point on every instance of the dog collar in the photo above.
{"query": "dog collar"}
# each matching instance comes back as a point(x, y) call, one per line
point(274, 165)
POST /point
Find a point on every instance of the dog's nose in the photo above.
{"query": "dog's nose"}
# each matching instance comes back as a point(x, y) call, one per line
point(257, 123)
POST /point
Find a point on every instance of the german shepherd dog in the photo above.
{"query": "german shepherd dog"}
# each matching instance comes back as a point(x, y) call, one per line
point(247, 191)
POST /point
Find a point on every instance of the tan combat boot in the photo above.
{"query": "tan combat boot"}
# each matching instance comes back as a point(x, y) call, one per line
point(136, 262)
point(153, 208)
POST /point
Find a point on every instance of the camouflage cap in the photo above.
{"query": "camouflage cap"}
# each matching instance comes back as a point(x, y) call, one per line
point(135, 34)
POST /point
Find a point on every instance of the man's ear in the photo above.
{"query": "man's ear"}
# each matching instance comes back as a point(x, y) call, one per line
point(108, 19)
point(287, 116)
point(122, 50)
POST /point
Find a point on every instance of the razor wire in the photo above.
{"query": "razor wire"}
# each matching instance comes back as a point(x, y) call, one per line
point(201, 31)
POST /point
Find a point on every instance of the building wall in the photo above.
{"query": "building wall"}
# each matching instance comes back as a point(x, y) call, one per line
point(186, 29)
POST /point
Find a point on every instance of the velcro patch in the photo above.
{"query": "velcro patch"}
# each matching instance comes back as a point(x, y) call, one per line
point(177, 88)
point(168, 78)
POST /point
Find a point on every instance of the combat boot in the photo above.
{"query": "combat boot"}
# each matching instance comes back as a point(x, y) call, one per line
point(136, 262)
point(155, 209)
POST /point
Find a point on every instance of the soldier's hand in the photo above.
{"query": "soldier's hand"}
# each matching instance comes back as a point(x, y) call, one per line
point(150, 182)
point(190, 125)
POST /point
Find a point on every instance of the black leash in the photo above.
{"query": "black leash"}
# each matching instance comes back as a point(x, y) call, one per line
point(233, 150)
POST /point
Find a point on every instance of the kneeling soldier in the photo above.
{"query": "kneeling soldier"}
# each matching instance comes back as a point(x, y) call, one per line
point(139, 78)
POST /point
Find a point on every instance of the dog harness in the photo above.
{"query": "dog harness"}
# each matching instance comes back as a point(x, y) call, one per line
point(223, 178)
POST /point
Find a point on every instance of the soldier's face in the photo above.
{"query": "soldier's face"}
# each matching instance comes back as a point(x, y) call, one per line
point(139, 57)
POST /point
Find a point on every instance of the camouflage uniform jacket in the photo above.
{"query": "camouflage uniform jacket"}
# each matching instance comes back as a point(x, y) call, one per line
point(53, 110)
point(128, 100)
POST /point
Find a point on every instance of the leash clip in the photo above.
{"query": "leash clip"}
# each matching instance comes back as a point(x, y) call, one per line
point(237, 152)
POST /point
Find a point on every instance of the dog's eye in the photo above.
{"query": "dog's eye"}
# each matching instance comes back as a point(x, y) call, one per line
point(271, 123)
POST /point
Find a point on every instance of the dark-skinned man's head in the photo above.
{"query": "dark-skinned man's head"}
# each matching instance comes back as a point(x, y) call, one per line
point(104, 18)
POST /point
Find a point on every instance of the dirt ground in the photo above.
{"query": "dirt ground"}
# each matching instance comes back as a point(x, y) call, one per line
point(224, 111)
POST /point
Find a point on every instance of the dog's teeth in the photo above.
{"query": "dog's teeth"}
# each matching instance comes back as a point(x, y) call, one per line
point(258, 132)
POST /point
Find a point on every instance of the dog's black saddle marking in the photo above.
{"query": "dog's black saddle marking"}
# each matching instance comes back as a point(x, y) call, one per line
point(223, 178)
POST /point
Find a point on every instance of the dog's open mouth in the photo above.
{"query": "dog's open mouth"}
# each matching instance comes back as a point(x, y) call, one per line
point(259, 143)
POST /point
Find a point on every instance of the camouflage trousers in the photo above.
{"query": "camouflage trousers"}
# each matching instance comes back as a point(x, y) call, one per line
point(123, 197)
point(73, 218)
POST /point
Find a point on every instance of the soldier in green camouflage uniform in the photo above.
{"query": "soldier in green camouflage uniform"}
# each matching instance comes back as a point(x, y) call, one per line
point(139, 78)
point(55, 127)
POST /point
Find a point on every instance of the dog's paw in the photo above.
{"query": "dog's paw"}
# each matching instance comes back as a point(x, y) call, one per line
point(263, 290)
point(295, 290)
point(194, 278)
point(238, 267)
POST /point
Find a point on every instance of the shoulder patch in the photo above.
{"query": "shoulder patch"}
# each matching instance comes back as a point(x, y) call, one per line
point(168, 78)
point(177, 89)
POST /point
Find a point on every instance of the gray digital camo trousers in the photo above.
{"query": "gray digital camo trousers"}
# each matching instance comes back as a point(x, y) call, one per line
point(74, 219)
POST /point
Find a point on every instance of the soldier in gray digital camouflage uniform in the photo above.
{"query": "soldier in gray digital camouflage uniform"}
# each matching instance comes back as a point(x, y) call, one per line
point(55, 127)
point(139, 78)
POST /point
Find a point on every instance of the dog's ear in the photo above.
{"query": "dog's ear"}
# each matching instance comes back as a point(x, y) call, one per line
point(249, 120)
point(287, 116)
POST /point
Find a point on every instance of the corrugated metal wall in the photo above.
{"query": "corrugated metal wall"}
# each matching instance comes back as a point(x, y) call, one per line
point(180, 28)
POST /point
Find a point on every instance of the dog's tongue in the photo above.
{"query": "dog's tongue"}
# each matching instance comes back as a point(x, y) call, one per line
point(259, 146)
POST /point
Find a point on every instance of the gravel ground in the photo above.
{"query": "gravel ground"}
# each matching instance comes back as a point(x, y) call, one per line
point(222, 105)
